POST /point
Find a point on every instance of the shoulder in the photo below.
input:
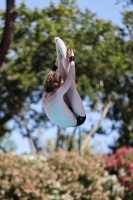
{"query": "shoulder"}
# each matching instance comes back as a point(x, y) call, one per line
point(59, 92)
point(48, 98)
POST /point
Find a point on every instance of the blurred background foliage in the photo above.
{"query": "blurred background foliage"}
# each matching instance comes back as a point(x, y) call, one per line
point(104, 63)
point(66, 176)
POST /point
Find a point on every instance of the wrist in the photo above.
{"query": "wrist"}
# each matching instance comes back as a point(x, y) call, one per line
point(54, 68)
point(72, 58)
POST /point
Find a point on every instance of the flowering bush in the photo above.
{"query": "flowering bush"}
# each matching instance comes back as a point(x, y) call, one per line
point(60, 176)
point(121, 164)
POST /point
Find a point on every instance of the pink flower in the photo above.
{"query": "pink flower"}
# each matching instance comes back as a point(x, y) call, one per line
point(130, 148)
point(124, 179)
point(130, 165)
point(130, 171)
point(109, 164)
point(121, 161)
point(121, 194)
point(118, 152)
point(131, 187)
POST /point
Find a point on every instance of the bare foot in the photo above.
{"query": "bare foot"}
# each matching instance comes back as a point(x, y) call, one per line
point(60, 45)
point(59, 56)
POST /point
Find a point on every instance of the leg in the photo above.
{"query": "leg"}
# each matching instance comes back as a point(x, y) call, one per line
point(61, 52)
point(63, 75)
point(75, 99)
point(73, 95)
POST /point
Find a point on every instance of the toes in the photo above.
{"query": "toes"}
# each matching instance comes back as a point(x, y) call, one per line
point(56, 38)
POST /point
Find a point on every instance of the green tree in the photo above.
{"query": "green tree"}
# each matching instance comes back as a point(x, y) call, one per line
point(103, 64)
point(6, 143)
point(5, 38)
point(10, 16)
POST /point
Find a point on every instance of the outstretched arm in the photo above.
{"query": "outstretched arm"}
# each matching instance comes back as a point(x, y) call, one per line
point(70, 76)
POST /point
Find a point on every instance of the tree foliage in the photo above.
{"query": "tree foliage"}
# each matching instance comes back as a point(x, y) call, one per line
point(7, 144)
point(103, 65)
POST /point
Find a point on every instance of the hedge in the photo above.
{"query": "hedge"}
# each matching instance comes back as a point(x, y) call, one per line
point(59, 176)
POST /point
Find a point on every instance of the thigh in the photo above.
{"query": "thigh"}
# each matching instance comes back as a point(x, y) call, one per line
point(76, 101)
point(61, 69)
point(67, 101)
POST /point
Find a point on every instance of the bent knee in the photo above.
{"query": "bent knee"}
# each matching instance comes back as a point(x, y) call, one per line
point(72, 88)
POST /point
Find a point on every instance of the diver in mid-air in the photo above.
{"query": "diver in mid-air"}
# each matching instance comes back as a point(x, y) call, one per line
point(61, 100)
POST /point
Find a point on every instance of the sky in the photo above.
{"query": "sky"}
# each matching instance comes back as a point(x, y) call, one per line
point(107, 10)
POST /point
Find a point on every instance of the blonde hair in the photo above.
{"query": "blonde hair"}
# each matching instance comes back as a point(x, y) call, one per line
point(52, 81)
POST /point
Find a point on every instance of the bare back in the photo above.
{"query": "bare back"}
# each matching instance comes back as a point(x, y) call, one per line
point(57, 110)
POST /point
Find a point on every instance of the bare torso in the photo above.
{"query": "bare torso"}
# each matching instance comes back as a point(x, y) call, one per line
point(57, 110)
